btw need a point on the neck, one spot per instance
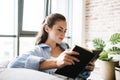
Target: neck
(52, 45)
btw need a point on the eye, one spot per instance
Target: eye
(60, 30)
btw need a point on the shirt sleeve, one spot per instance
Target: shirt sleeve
(84, 75)
(33, 62)
(37, 55)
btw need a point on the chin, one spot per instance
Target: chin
(59, 42)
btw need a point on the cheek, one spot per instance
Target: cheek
(56, 33)
(53, 34)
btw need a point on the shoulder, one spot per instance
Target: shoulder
(42, 46)
(38, 50)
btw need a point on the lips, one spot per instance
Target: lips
(61, 38)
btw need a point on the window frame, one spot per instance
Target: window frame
(19, 4)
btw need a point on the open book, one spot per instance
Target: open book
(85, 57)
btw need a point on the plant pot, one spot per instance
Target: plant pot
(107, 70)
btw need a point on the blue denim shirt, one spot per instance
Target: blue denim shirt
(33, 58)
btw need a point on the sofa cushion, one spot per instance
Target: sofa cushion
(25, 74)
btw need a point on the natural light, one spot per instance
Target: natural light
(7, 17)
(33, 14)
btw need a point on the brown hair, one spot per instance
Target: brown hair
(49, 21)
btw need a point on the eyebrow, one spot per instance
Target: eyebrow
(61, 27)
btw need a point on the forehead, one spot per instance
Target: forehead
(61, 24)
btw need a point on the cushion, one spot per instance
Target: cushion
(25, 74)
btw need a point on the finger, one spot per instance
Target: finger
(69, 60)
(75, 53)
(73, 58)
(90, 68)
(71, 52)
(91, 63)
(68, 63)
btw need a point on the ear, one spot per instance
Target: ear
(46, 28)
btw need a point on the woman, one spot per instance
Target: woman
(50, 52)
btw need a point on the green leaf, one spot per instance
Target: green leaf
(115, 38)
(104, 56)
(114, 49)
(98, 43)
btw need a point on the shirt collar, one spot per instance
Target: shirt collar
(62, 45)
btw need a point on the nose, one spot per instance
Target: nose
(63, 34)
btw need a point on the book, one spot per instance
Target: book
(85, 56)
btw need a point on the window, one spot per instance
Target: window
(7, 48)
(20, 21)
(26, 43)
(7, 29)
(7, 17)
(33, 14)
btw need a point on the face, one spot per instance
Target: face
(57, 32)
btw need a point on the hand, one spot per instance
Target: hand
(90, 66)
(65, 58)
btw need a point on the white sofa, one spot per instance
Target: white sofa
(23, 74)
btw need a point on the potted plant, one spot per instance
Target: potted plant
(98, 45)
(109, 56)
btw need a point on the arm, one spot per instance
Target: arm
(35, 61)
(62, 60)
